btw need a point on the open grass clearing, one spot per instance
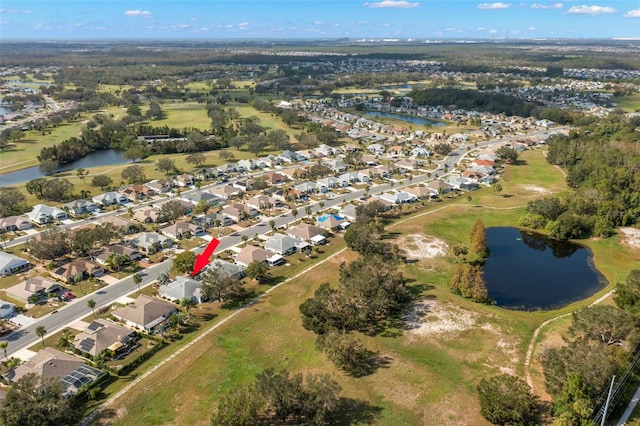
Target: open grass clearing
(630, 103)
(180, 114)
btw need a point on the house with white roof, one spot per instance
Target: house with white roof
(42, 214)
(11, 264)
(282, 244)
(110, 198)
(182, 288)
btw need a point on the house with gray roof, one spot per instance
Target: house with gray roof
(80, 207)
(103, 335)
(110, 198)
(42, 214)
(198, 196)
(249, 254)
(14, 223)
(182, 288)
(36, 288)
(149, 242)
(227, 268)
(12, 264)
(282, 244)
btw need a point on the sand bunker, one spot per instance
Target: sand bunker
(420, 246)
(535, 188)
(631, 236)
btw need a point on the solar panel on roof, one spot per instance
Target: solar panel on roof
(94, 326)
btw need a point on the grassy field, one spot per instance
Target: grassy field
(628, 103)
(270, 121)
(183, 114)
(427, 377)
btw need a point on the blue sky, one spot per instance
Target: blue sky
(215, 19)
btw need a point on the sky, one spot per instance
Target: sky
(316, 19)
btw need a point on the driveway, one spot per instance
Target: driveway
(22, 320)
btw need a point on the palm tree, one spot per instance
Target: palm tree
(3, 345)
(272, 224)
(82, 173)
(137, 279)
(187, 303)
(41, 332)
(163, 278)
(307, 210)
(294, 213)
(92, 304)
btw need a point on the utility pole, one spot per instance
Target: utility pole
(606, 405)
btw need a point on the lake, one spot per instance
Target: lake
(106, 157)
(415, 120)
(529, 271)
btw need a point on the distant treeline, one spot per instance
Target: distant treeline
(495, 103)
(603, 167)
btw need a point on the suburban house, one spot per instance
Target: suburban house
(327, 183)
(331, 221)
(151, 242)
(198, 196)
(249, 254)
(185, 179)
(307, 187)
(182, 288)
(145, 313)
(37, 286)
(325, 150)
(282, 244)
(147, 214)
(248, 164)
(119, 250)
(227, 268)
(160, 185)
(306, 232)
(261, 201)
(376, 149)
(354, 177)
(76, 270)
(178, 230)
(42, 214)
(226, 191)
(439, 187)
(348, 212)
(51, 363)
(127, 226)
(14, 223)
(7, 309)
(80, 207)
(275, 178)
(103, 335)
(110, 198)
(336, 164)
(11, 264)
(421, 192)
(210, 219)
(239, 211)
(398, 197)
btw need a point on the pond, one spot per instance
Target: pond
(415, 120)
(529, 271)
(105, 157)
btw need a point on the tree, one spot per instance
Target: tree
(497, 188)
(41, 332)
(134, 153)
(187, 303)
(507, 155)
(3, 345)
(82, 173)
(83, 240)
(137, 279)
(202, 207)
(30, 402)
(154, 111)
(307, 210)
(184, 262)
(57, 190)
(102, 181)
(12, 202)
(196, 159)
(220, 285)
(479, 239)
(364, 239)
(133, 174)
(257, 144)
(347, 353)
(115, 262)
(49, 167)
(258, 271)
(92, 304)
(50, 244)
(460, 250)
(171, 211)
(627, 295)
(242, 406)
(272, 224)
(507, 400)
(603, 323)
(278, 139)
(36, 187)
(294, 213)
(163, 278)
(165, 165)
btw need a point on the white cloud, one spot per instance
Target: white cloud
(546, 6)
(532, 28)
(590, 10)
(632, 14)
(493, 6)
(142, 13)
(492, 31)
(15, 11)
(243, 25)
(400, 4)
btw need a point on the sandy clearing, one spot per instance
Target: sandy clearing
(631, 236)
(420, 246)
(430, 317)
(535, 188)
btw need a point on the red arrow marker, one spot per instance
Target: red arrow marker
(202, 260)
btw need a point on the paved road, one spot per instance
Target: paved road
(78, 309)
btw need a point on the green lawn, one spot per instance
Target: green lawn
(628, 103)
(179, 114)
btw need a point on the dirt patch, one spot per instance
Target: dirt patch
(420, 246)
(535, 188)
(631, 237)
(429, 317)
